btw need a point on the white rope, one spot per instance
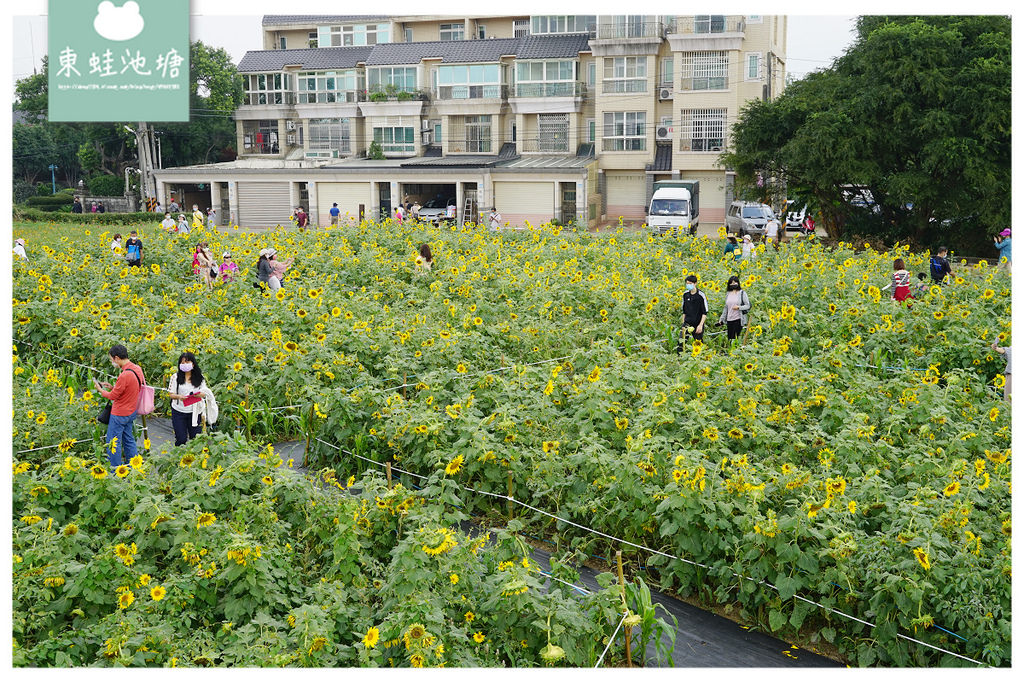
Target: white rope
(582, 590)
(87, 367)
(56, 445)
(666, 555)
(611, 640)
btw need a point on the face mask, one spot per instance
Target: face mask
(184, 367)
(689, 286)
(734, 286)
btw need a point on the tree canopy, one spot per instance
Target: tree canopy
(915, 116)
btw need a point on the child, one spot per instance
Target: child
(1002, 243)
(749, 252)
(228, 269)
(1005, 350)
(900, 281)
(425, 261)
(195, 259)
(921, 287)
(182, 224)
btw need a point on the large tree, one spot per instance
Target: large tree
(917, 112)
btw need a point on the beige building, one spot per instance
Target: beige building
(556, 116)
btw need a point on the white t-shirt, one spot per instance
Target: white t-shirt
(115, 245)
(168, 223)
(185, 389)
(495, 219)
(20, 251)
(771, 228)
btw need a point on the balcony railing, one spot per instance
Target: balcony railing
(470, 146)
(639, 29)
(551, 89)
(471, 92)
(613, 85)
(317, 97)
(555, 144)
(271, 98)
(712, 25)
(704, 83)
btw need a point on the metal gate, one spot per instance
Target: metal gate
(264, 205)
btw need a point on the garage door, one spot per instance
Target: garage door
(264, 205)
(348, 196)
(521, 202)
(627, 195)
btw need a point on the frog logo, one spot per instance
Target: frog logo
(118, 23)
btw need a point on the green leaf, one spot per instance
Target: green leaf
(776, 619)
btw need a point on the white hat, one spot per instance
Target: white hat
(227, 254)
(746, 238)
(20, 241)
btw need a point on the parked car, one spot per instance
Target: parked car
(438, 209)
(747, 218)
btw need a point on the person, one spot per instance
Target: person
(168, 223)
(159, 208)
(808, 225)
(771, 231)
(173, 206)
(425, 261)
(734, 312)
(416, 210)
(335, 212)
(900, 281)
(731, 246)
(749, 253)
(921, 287)
(198, 219)
(228, 268)
(211, 218)
(77, 206)
(206, 265)
(19, 248)
(494, 219)
(399, 214)
(115, 244)
(1006, 351)
(93, 210)
(278, 267)
(189, 398)
(264, 272)
(1002, 243)
(133, 250)
(100, 208)
(301, 219)
(695, 308)
(940, 266)
(124, 396)
(183, 228)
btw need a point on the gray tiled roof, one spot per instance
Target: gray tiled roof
(448, 51)
(283, 19)
(662, 157)
(309, 58)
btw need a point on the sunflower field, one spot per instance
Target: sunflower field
(851, 451)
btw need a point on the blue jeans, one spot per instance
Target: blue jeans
(121, 427)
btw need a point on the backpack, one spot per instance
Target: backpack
(936, 266)
(133, 252)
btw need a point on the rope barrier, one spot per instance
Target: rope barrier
(56, 445)
(663, 554)
(88, 367)
(611, 640)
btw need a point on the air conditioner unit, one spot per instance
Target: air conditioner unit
(424, 124)
(716, 149)
(290, 138)
(664, 133)
(665, 94)
(289, 125)
(428, 137)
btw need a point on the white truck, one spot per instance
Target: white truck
(675, 207)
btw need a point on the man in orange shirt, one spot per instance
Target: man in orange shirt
(125, 397)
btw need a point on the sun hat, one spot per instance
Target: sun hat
(746, 238)
(227, 254)
(271, 252)
(20, 241)
(1005, 233)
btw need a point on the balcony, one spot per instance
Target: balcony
(471, 146)
(719, 32)
(709, 25)
(623, 38)
(624, 85)
(471, 92)
(636, 29)
(331, 97)
(558, 144)
(551, 89)
(549, 96)
(272, 98)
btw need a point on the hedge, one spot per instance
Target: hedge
(51, 201)
(22, 213)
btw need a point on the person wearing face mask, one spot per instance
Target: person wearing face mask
(191, 399)
(734, 313)
(695, 308)
(124, 396)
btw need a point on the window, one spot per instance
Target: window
(553, 132)
(591, 130)
(702, 130)
(330, 134)
(520, 28)
(284, 43)
(402, 77)
(624, 131)
(329, 86)
(754, 18)
(260, 137)
(753, 66)
(481, 31)
(666, 72)
(705, 71)
(354, 34)
(628, 26)
(453, 31)
(395, 139)
(625, 74)
(268, 89)
(592, 74)
(465, 81)
(585, 23)
(408, 35)
(546, 79)
(709, 23)
(478, 133)
(313, 39)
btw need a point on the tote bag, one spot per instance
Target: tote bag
(146, 397)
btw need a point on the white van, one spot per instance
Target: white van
(671, 211)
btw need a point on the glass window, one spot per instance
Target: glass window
(461, 81)
(260, 137)
(753, 65)
(402, 77)
(284, 43)
(453, 31)
(268, 89)
(705, 71)
(709, 23)
(314, 39)
(329, 135)
(395, 138)
(478, 133)
(624, 131)
(329, 86)
(546, 79)
(666, 71)
(625, 74)
(583, 23)
(702, 130)
(591, 130)
(408, 35)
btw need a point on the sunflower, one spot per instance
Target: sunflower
(993, 414)
(711, 434)
(479, 637)
(301, 312)
(595, 374)
(987, 294)
(469, 617)
(749, 367)
(922, 557)
(205, 519)
(98, 472)
(937, 315)
(125, 599)
(454, 466)
(371, 638)
(290, 346)
(549, 446)
(454, 578)
(460, 368)
(735, 433)
(157, 593)
(267, 480)
(336, 312)
(416, 661)
(951, 489)
(122, 471)
(70, 529)
(41, 419)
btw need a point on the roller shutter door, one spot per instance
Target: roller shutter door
(627, 194)
(348, 196)
(524, 198)
(264, 205)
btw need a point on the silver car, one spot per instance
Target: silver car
(747, 218)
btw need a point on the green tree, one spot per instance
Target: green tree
(917, 112)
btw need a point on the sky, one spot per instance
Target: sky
(813, 41)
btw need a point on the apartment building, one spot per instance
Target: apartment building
(555, 116)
